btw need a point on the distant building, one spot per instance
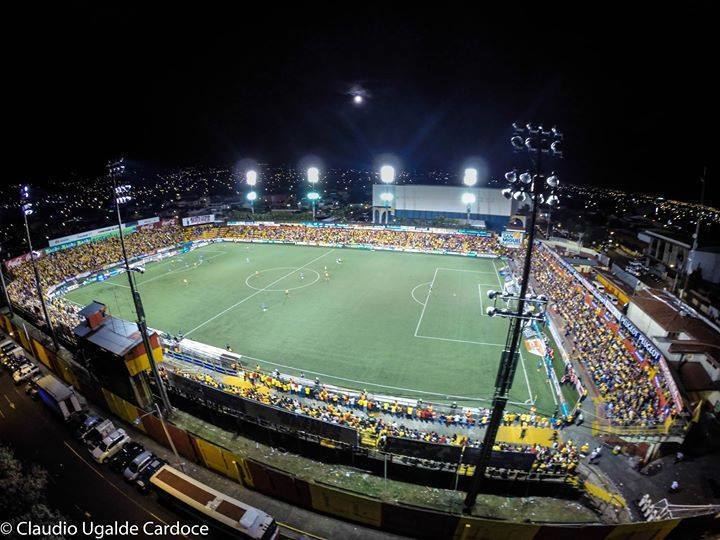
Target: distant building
(432, 202)
(672, 251)
(690, 342)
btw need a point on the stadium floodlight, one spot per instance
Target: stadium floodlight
(313, 175)
(492, 294)
(121, 195)
(538, 143)
(251, 177)
(387, 174)
(470, 177)
(358, 99)
(27, 209)
(552, 180)
(552, 200)
(252, 196)
(386, 197)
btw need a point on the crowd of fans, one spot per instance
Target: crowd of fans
(355, 236)
(634, 392)
(361, 412)
(55, 268)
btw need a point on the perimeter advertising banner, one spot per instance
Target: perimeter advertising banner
(198, 220)
(512, 239)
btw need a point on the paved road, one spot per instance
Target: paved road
(79, 487)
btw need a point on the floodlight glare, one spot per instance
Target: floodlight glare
(358, 99)
(386, 196)
(251, 196)
(471, 177)
(313, 175)
(468, 198)
(251, 178)
(313, 196)
(387, 174)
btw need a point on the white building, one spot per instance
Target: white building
(431, 202)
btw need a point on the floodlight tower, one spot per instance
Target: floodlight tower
(468, 198)
(313, 176)
(27, 209)
(4, 285)
(538, 189)
(387, 177)
(251, 180)
(121, 195)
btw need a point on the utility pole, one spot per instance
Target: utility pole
(121, 195)
(4, 286)
(27, 209)
(696, 236)
(538, 143)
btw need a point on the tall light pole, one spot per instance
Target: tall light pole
(696, 236)
(121, 195)
(313, 176)
(251, 180)
(387, 177)
(4, 285)
(27, 209)
(470, 178)
(538, 189)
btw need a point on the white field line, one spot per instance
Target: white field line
(482, 311)
(368, 383)
(412, 293)
(462, 341)
(500, 283)
(465, 270)
(527, 380)
(427, 301)
(236, 304)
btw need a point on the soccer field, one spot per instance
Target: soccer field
(401, 323)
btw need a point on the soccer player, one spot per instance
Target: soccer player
(327, 275)
(185, 281)
(287, 293)
(302, 276)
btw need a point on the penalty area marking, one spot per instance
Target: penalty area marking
(294, 269)
(412, 293)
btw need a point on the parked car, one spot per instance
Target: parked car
(84, 427)
(24, 373)
(96, 434)
(127, 453)
(136, 466)
(110, 445)
(142, 482)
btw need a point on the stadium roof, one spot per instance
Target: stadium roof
(662, 308)
(114, 335)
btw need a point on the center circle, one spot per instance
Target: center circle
(289, 271)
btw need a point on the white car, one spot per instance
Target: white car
(110, 445)
(25, 372)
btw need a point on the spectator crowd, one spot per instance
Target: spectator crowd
(634, 392)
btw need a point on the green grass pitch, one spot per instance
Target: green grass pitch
(374, 324)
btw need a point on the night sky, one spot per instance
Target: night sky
(629, 87)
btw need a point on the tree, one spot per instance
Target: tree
(23, 492)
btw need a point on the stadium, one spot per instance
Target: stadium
(370, 346)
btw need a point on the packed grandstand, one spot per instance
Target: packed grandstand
(633, 388)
